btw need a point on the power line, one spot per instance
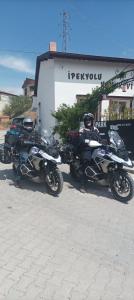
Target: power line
(20, 51)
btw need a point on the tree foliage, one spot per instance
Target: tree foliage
(68, 117)
(17, 106)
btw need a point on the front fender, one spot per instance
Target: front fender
(48, 166)
(116, 173)
(121, 161)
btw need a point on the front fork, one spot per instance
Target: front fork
(48, 166)
(115, 173)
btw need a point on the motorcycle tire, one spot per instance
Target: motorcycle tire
(54, 182)
(7, 157)
(122, 186)
(14, 168)
(73, 172)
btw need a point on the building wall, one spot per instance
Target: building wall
(79, 77)
(104, 106)
(34, 102)
(60, 80)
(4, 99)
(45, 99)
(27, 91)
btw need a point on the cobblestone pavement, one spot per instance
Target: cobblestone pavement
(73, 247)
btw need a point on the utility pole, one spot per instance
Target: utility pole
(65, 30)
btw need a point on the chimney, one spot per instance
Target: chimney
(52, 46)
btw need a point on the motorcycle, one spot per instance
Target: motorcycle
(106, 166)
(39, 164)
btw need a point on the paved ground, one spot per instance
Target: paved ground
(73, 247)
(76, 246)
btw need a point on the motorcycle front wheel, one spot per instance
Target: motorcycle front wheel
(122, 186)
(54, 182)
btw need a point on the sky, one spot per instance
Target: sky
(95, 27)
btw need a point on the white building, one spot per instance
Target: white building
(5, 98)
(28, 87)
(66, 77)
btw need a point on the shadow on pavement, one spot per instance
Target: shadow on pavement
(91, 188)
(8, 174)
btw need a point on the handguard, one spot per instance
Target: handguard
(94, 144)
(87, 141)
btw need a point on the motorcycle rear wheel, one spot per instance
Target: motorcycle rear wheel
(54, 182)
(122, 186)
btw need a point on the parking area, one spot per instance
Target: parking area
(75, 246)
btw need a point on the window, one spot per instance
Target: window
(81, 98)
(114, 106)
(122, 106)
(118, 106)
(31, 88)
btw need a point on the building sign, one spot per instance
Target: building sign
(84, 76)
(100, 78)
(124, 87)
(101, 124)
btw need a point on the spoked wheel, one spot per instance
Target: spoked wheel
(54, 181)
(122, 187)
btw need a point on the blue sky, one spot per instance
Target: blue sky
(97, 27)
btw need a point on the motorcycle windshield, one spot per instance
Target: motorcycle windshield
(115, 139)
(118, 145)
(51, 145)
(48, 138)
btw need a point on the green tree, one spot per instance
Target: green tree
(17, 106)
(68, 117)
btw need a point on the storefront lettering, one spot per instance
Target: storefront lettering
(101, 124)
(85, 76)
(116, 126)
(128, 86)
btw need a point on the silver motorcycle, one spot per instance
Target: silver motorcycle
(108, 166)
(40, 165)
